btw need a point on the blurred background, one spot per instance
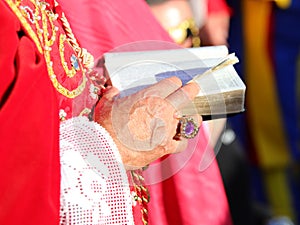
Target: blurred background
(259, 155)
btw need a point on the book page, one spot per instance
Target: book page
(132, 71)
(136, 76)
(222, 90)
(222, 80)
(116, 60)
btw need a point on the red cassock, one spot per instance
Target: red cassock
(33, 93)
(190, 196)
(29, 140)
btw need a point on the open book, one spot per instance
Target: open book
(222, 91)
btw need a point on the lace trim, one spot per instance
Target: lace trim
(94, 186)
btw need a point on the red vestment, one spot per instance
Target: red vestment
(39, 78)
(29, 124)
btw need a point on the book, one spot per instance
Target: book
(222, 91)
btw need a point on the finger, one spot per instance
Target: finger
(163, 88)
(178, 145)
(110, 92)
(183, 96)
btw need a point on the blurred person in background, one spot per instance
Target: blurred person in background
(266, 38)
(177, 17)
(212, 17)
(207, 23)
(197, 23)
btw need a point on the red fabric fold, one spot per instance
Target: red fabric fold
(30, 171)
(101, 26)
(194, 194)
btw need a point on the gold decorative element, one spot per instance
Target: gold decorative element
(39, 23)
(22, 18)
(142, 194)
(86, 58)
(284, 4)
(70, 72)
(185, 29)
(64, 91)
(86, 111)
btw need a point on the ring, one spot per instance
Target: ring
(186, 128)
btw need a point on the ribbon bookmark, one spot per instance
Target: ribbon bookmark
(231, 59)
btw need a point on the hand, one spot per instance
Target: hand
(143, 125)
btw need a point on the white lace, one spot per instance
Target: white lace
(94, 185)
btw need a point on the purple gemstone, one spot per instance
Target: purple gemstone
(189, 128)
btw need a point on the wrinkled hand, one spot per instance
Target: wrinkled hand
(143, 125)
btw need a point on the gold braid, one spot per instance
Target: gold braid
(85, 57)
(142, 193)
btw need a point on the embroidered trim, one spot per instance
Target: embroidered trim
(86, 111)
(24, 22)
(44, 44)
(70, 72)
(141, 193)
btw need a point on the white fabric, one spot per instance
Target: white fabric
(94, 185)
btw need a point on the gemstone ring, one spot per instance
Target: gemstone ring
(186, 128)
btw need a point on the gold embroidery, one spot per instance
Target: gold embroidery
(141, 193)
(70, 72)
(65, 92)
(36, 22)
(86, 58)
(19, 14)
(86, 111)
(185, 29)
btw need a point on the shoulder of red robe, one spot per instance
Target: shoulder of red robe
(30, 171)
